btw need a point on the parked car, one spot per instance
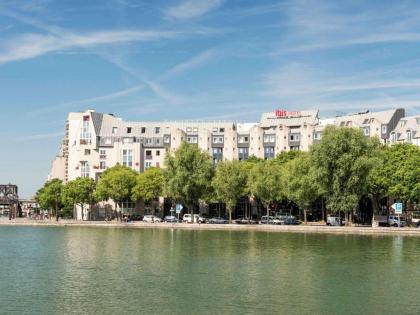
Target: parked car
(151, 219)
(396, 221)
(170, 219)
(245, 221)
(136, 217)
(197, 218)
(334, 221)
(270, 220)
(218, 220)
(291, 220)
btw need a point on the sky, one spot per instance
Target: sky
(149, 60)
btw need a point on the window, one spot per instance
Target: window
(102, 154)
(342, 123)
(84, 169)
(192, 139)
(269, 138)
(409, 136)
(147, 165)
(222, 129)
(128, 129)
(149, 154)
(366, 131)
(157, 153)
(108, 141)
(217, 155)
(243, 139)
(217, 139)
(268, 153)
(102, 165)
(149, 141)
(127, 140)
(195, 129)
(85, 135)
(157, 130)
(215, 129)
(317, 136)
(393, 137)
(294, 137)
(243, 153)
(189, 129)
(114, 130)
(143, 129)
(366, 121)
(87, 152)
(128, 158)
(384, 129)
(167, 139)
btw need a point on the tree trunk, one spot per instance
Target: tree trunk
(324, 217)
(268, 211)
(230, 215)
(304, 216)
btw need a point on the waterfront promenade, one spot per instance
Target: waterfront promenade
(310, 228)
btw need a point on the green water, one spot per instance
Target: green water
(121, 271)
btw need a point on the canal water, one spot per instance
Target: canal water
(76, 270)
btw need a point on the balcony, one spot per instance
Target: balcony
(148, 157)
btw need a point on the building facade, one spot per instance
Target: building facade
(95, 141)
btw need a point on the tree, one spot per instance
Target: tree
(50, 196)
(343, 160)
(286, 156)
(149, 185)
(116, 183)
(188, 174)
(229, 183)
(80, 191)
(265, 182)
(300, 182)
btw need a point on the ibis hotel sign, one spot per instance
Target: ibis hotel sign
(281, 113)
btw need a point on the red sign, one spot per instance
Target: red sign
(284, 113)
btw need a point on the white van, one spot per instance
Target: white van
(197, 218)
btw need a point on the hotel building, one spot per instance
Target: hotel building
(95, 141)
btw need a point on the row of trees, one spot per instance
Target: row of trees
(340, 170)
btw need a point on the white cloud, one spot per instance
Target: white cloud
(34, 45)
(192, 8)
(190, 64)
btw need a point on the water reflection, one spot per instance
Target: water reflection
(127, 271)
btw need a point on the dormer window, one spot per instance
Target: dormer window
(409, 136)
(129, 129)
(393, 137)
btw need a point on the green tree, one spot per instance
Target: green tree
(265, 182)
(50, 196)
(300, 182)
(286, 156)
(116, 183)
(80, 191)
(229, 183)
(188, 174)
(149, 185)
(343, 160)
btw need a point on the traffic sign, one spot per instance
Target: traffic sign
(398, 207)
(178, 208)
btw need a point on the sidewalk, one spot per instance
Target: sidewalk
(365, 230)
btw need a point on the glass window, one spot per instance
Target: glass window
(114, 130)
(268, 153)
(84, 169)
(128, 129)
(128, 158)
(217, 155)
(102, 165)
(384, 128)
(157, 130)
(143, 129)
(148, 164)
(409, 136)
(243, 153)
(167, 139)
(85, 132)
(393, 137)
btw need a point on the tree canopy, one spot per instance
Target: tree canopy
(116, 183)
(229, 183)
(188, 174)
(149, 185)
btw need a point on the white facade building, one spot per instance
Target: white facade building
(94, 141)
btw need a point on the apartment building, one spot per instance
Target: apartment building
(95, 141)
(406, 131)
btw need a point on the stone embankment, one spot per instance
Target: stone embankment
(313, 228)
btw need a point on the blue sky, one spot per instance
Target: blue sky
(193, 59)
